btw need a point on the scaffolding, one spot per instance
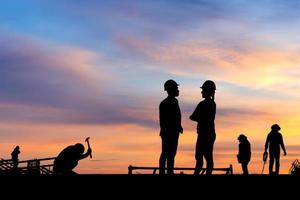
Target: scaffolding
(33, 166)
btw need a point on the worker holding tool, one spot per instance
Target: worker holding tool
(68, 158)
(265, 158)
(274, 142)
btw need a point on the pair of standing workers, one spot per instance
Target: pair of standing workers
(170, 127)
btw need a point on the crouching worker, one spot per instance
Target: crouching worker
(244, 153)
(68, 159)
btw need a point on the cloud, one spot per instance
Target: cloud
(46, 83)
(235, 62)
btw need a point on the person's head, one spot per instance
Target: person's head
(208, 89)
(172, 88)
(79, 148)
(242, 138)
(275, 127)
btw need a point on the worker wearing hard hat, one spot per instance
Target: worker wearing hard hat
(204, 115)
(170, 127)
(274, 142)
(244, 154)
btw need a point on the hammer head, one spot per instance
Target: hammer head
(87, 139)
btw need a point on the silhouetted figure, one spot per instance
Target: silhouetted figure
(244, 155)
(170, 127)
(204, 114)
(15, 156)
(274, 141)
(68, 159)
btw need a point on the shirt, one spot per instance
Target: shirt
(169, 116)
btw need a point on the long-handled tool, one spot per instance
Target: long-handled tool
(265, 158)
(88, 143)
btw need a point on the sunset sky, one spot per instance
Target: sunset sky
(70, 69)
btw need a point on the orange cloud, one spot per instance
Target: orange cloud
(242, 63)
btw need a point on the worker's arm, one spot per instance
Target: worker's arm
(196, 113)
(282, 145)
(162, 117)
(88, 152)
(267, 143)
(179, 118)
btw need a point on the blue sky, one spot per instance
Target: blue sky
(102, 64)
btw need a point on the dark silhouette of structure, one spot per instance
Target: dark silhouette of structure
(68, 159)
(15, 156)
(29, 167)
(244, 154)
(204, 115)
(295, 168)
(170, 127)
(274, 142)
(227, 170)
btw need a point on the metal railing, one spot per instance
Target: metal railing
(32, 166)
(228, 171)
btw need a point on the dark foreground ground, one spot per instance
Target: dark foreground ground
(152, 186)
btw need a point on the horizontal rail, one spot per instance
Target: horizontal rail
(42, 159)
(228, 170)
(25, 161)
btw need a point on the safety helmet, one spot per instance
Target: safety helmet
(209, 85)
(242, 137)
(170, 84)
(275, 127)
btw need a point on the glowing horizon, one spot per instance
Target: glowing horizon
(72, 69)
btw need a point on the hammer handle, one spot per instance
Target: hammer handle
(89, 148)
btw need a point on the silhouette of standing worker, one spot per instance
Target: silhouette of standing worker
(274, 141)
(204, 114)
(170, 127)
(15, 156)
(244, 155)
(68, 159)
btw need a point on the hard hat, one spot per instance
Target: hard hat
(170, 84)
(209, 85)
(242, 136)
(275, 127)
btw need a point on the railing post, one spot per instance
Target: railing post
(130, 169)
(154, 171)
(231, 169)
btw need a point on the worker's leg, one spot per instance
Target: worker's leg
(245, 168)
(209, 156)
(163, 155)
(277, 163)
(172, 153)
(271, 164)
(209, 161)
(199, 156)
(16, 163)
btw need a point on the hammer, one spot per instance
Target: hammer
(88, 143)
